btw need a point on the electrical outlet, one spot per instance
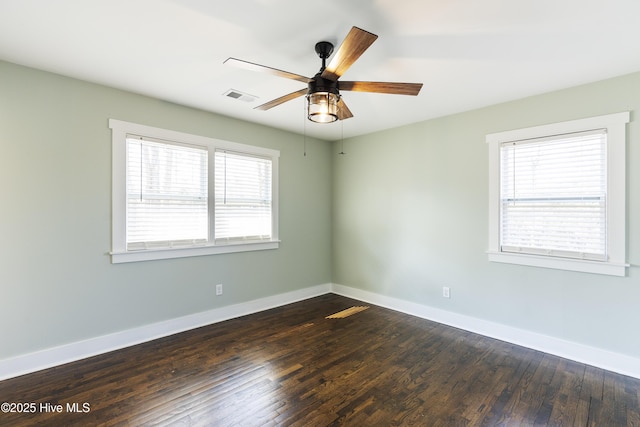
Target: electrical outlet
(218, 289)
(446, 292)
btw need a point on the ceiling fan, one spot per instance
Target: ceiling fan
(324, 103)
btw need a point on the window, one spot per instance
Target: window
(178, 195)
(557, 195)
(243, 197)
(553, 196)
(166, 194)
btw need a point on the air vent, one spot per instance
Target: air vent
(241, 96)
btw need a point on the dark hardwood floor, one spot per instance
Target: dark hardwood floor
(291, 366)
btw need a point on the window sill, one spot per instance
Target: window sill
(157, 254)
(596, 267)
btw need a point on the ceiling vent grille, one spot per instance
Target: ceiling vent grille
(240, 96)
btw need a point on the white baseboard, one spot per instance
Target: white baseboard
(55, 356)
(615, 362)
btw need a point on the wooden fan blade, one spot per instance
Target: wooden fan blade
(382, 87)
(264, 69)
(282, 100)
(354, 45)
(343, 110)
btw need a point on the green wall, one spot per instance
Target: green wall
(402, 214)
(57, 283)
(410, 215)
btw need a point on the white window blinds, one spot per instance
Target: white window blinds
(166, 194)
(553, 195)
(243, 201)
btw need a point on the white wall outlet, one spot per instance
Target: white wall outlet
(446, 292)
(218, 289)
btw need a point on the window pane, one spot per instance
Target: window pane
(243, 197)
(553, 195)
(166, 194)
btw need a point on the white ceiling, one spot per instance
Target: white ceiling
(468, 53)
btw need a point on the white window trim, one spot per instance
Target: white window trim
(616, 194)
(119, 253)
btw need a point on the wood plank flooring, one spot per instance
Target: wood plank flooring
(292, 366)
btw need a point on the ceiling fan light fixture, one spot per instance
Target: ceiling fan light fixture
(322, 107)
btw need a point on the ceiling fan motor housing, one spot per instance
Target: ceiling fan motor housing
(320, 84)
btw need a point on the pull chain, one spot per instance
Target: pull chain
(342, 138)
(304, 128)
(141, 170)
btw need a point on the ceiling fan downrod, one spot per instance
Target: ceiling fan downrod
(319, 84)
(324, 50)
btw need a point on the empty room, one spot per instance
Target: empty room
(295, 213)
